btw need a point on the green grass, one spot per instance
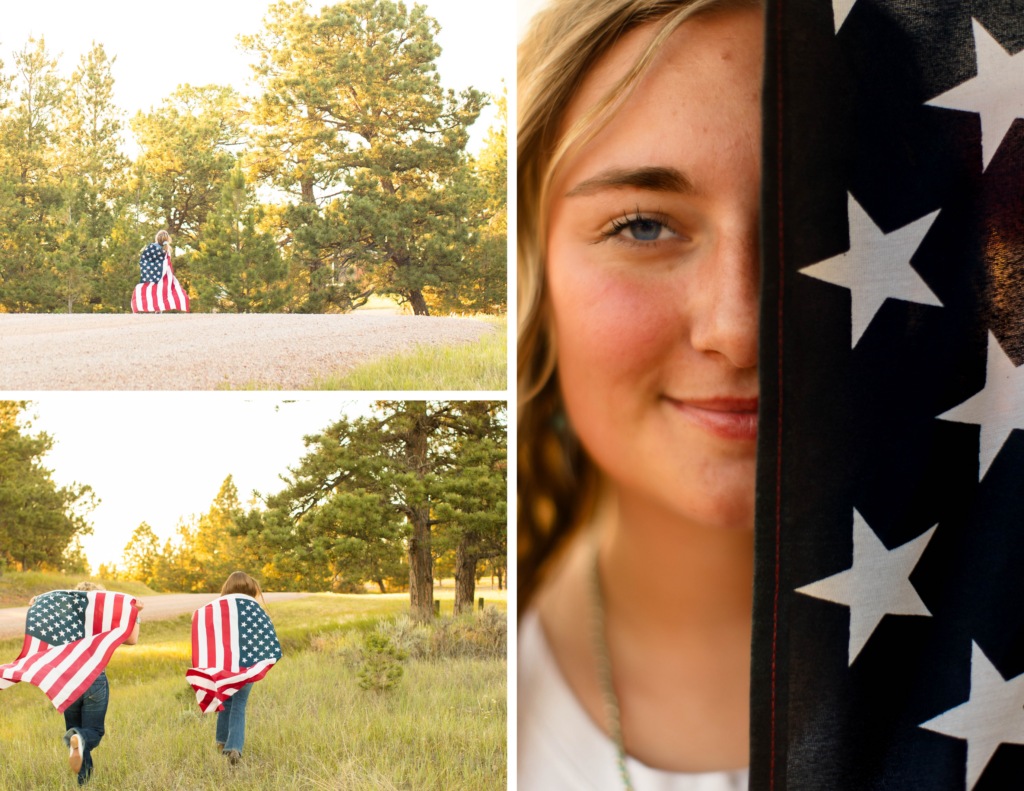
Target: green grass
(482, 365)
(17, 587)
(309, 726)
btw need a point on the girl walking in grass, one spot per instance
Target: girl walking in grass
(233, 646)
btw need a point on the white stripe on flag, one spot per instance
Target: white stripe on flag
(108, 612)
(200, 627)
(218, 637)
(233, 616)
(90, 613)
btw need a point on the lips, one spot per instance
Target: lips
(729, 418)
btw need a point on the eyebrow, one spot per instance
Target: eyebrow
(656, 179)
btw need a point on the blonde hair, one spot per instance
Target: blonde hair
(557, 481)
(164, 238)
(240, 582)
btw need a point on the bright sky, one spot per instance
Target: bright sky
(161, 46)
(158, 457)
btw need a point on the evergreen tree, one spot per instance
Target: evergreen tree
(352, 105)
(471, 512)
(140, 555)
(38, 519)
(93, 177)
(371, 482)
(28, 141)
(188, 154)
(238, 266)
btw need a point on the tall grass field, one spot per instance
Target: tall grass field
(309, 724)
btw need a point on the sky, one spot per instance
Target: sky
(161, 46)
(160, 457)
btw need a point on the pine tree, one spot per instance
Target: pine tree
(140, 554)
(93, 177)
(471, 512)
(28, 140)
(363, 479)
(187, 154)
(352, 106)
(238, 266)
(38, 519)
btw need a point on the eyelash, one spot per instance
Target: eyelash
(621, 224)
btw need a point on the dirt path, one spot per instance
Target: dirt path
(169, 605)
(202, 351)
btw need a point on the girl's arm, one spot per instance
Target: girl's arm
(133, 638)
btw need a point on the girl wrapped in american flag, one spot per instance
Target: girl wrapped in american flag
(69, 639)
(158, 289)
(234, 645)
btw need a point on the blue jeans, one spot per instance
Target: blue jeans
(231, 721)
(86, 717)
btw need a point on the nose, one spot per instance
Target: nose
(724, 321)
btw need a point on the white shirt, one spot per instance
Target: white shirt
(560, 747)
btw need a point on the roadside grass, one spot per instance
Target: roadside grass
(482, 365)
(309, 725)
(17, 587)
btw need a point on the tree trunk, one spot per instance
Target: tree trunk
(380, 584)
(421, 568)
(465, 573)
(307, 191)
(419, 304)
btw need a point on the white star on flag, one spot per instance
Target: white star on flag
(998, 408)
(996, 93)
(993, 715)
(840, 10)
(876, 267)
(876, 585)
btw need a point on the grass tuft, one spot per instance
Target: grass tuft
(482, 365)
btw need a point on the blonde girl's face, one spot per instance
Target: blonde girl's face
(653, 271)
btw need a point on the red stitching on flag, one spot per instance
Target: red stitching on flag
(778, 456)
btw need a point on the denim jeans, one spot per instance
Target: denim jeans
(86, 717)
(231, 721)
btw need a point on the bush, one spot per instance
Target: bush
(382, 668)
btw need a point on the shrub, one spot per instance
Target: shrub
(382, 668)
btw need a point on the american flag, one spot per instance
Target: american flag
(889, 593)
(159, 289)
(69, 638)
(233, 644)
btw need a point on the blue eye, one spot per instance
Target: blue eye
(641, 229)
(644, 230)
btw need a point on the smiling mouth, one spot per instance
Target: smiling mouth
(729, 418)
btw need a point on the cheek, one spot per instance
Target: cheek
(610, 324)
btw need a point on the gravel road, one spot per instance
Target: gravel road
(201, 351)
(156, 608)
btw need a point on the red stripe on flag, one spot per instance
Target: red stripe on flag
(97, 616)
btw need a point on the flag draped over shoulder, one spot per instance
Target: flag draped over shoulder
(889, 593)
(160, 289)
(69, 639)
(233, 644)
